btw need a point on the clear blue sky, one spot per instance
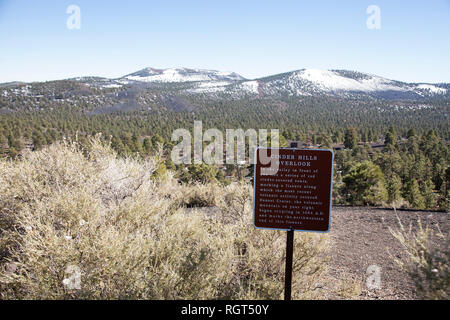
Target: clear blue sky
(251, 37)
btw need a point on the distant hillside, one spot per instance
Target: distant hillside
(219, 85)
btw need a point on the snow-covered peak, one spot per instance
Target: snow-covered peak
(431, 88)
(328, 80)
(181, 75)
(304, 82)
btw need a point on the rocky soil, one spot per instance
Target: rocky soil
(360, 237)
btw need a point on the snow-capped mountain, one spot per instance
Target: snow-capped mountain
(179, 75)
(156, 85)
(341, 83)
(304, 82)
(338, 81)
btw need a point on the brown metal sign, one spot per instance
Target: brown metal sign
(292, 189)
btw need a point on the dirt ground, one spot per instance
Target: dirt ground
(360, 237)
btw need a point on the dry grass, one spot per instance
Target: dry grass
(427, 265)
(64, 210)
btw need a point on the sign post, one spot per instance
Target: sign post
(288, 269)
(292, 192)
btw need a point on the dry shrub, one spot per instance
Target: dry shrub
(68, 214)
(428, 265)
(196, 195)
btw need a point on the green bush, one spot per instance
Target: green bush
(365, 184)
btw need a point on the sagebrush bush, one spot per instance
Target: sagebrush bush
(68, 214)
(427, 265)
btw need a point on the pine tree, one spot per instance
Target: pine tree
(38, 140)
(365, 184)
(413, 196)
(118, 146)
(394, 188)
(136, 144)
(127, 142)
(391, 137)
(202, 173)
(3, 144)
(350, 138)
(326, 141)
(427, 191)
(147, 146)
(12, 153)
(365, 136)
(411, 133)
(157, 140)
(444, 192)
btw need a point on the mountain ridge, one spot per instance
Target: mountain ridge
(301, 82)
(214, 84)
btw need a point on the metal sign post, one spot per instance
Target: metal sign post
(296, 196)
(288, 270)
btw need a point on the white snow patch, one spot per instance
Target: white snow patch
(112, 85)
(184, 75)
(251, 86)
(211, 86)
(431, 88)
(122, 81)
(331, 81)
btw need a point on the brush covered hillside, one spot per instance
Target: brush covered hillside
(132, 234)
(82, 223)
